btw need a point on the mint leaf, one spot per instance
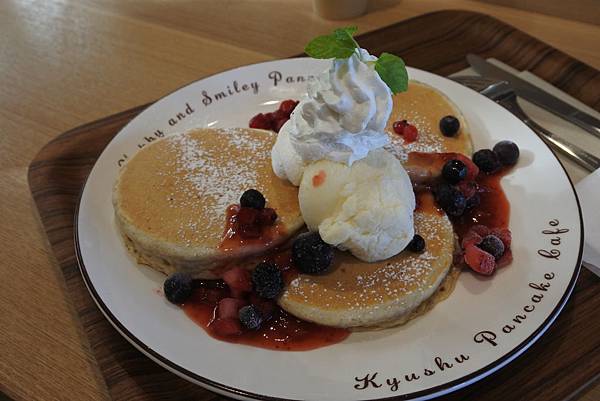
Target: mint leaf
(393, 72)
(340, 44)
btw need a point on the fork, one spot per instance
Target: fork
(502, 93)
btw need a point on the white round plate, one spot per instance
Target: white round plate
(482, 326)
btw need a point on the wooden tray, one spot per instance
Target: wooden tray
(562, 363)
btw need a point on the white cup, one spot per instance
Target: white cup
(340, 9)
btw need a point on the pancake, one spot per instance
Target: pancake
(360, 295)
(424, 106)
(356, 294)
(170, 199)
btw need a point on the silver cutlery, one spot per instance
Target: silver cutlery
(502, 93)
(536, 95)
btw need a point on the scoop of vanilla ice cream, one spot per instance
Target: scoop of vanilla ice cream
(366, 208)
(341, 118)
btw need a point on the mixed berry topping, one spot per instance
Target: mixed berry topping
(507, 152)
(310, 254)
(253, 199)
(486, 249)
(178, 287)
(409, 132)
(253, 216)
(417, 244)
(274, 121)
(267, 280)
(449, 125)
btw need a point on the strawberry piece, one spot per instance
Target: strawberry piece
(399, 126)
(472, 169)
(471, 238)
(226, 327)
(505, 259)
(481, 230)
(287, 106)
(260, 121)
(229, 308)
(238, 279)
(267, 216)
(410, 133)
(504, 234)
(479, 260)
(247, 223)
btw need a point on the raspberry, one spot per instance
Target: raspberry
(238, 279)
(504, 234)
(410, 133)
(260, 121)
(399, 126)
(287, 106)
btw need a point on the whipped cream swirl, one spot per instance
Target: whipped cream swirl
(341, 118)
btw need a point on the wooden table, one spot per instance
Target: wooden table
(67, 62)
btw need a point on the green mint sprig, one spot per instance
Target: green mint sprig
(341, 44)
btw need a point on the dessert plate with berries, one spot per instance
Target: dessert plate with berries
(513, 210)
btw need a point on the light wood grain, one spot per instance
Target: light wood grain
(66, 62)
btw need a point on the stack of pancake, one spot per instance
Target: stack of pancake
(170, 201)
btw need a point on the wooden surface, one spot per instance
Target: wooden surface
(67, 62)
(580, 10)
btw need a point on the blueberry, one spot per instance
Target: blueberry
(253, 199)
(454, 171)
(449, 125)
(507, 152)
(311, 254)
(417, 244)
(250, 317)
(450, 199)
(267, 280)
(487, 161)
(178, 287)
(492, 245)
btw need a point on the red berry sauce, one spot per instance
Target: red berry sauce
(246, 226)
(281, 331)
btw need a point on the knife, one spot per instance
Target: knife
(536, 95)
